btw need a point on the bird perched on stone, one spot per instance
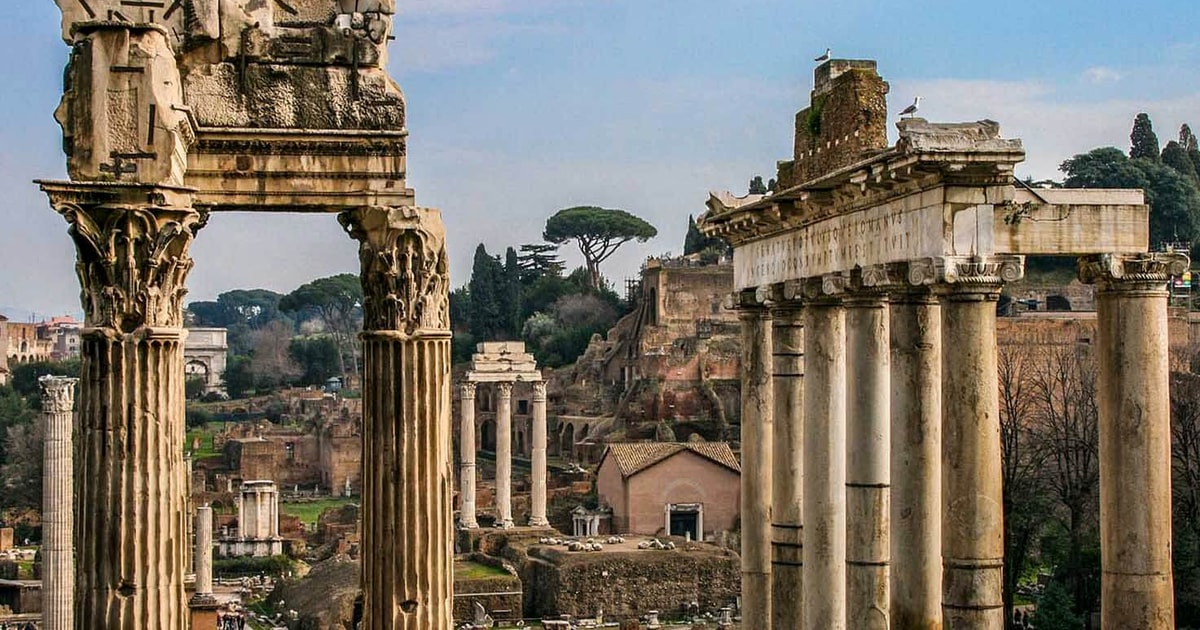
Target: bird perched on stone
(826, 57)
(911, 110)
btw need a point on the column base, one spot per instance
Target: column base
(539, 522)
(470, 525)
(507, 524)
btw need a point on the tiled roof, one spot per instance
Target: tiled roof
(636, 457)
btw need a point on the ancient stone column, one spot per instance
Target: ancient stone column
(1135, 437)
(58, 501)
(204, 551)
(132, 242)
(787, 548)
(407, 511)
(868, 445)
(203, 605)
(916, 468)
(757, 433)
(537, 516)
(825, 458)
(504, 454)
(466, 453)
(972, 500)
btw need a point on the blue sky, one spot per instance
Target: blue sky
(520, 107)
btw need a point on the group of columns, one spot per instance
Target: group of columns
(468, 446)
(871, 452)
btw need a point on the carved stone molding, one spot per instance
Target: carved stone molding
(966, 271)
(467, 391)
(58, 394)
(1134, 271)
(539, 391)
(132, 251)
(405, 269)
(504, 389)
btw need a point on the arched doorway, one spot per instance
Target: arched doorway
(487, 436)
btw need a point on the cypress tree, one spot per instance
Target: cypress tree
(757, 187)
(1176, 157)
(484, 288)
(511, 297)
(1188, 139)
(1145, 143)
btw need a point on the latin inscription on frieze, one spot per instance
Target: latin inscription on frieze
(891, 233)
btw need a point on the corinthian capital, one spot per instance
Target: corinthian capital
(1132, 270)
(132, 245)
(405, 270)
(539, 391)
(504, 389)
(58, 394)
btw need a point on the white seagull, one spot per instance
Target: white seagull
(911, 110)
(826, 57)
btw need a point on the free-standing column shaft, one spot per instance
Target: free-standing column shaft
(1135, 438)
(867, 454)
(787, 553)
(204, 551)
(537, 516)
(131, 529)
(757, 430)
(824, 466)
(972, 509)
(466, 454)
(504, 454)
(58, 501)
(407, 526)
(916, 502)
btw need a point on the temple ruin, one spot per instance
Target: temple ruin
(885, 262)
(500, 365)
(174, 112)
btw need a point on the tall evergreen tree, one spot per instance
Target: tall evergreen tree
(696, 242)
(1144, 142)
(539, 260)
(757, 187)
(1176, 157)
(487, 278)
(510, 298)
(1188, 139)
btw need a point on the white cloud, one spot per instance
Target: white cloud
(1100, 75)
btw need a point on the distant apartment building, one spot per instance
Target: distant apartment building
(56, 339)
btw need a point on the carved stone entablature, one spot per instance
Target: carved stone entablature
(132, 246)
(58, 394)
(1134, 271)
(405, 269)
(966, 271)
(920, 135)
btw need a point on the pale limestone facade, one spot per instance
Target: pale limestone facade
(500, 365)
(258, 522)
(885, 265)
(171, 113)
(205, 355)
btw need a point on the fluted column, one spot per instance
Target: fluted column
(757, 432)
(407, 512)
(1135, 437)
(58, 501)
(825, 457)
(868, 445)
(916, 468)
(504, 454)
(537, 516)
(972, 499)
(466, 454)
(131, 528)
(787, 542)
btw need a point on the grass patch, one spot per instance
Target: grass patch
(206, 442)
(467, 570)
(308, 511)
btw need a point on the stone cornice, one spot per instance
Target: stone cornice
(927, 155)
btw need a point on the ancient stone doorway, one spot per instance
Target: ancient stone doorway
(487, 436)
